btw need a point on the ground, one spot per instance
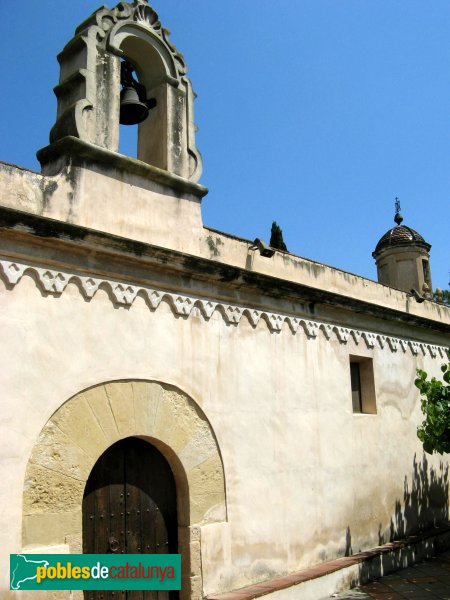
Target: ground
(427, 580)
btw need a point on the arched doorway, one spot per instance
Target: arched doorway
(85, 426)
(130, 507)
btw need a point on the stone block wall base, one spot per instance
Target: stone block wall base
(344, 573)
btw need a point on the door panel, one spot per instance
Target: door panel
(129, 507)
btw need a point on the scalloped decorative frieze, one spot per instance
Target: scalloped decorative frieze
(369, 338)
(327, 330)
(414, 347)
(55, 282)
(311, 328)
(403, 345)
(342, 333)
(356, 335)
(393, 344)
(253, 316)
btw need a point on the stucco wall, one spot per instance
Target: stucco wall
(305, 477)
(112, 294)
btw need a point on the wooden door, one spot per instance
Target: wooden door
(129, 507)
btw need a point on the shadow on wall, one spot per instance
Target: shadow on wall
(424, 506)
(348, 542)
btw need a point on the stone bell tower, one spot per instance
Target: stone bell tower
(88, 91)
(402, 258)
(154, 198)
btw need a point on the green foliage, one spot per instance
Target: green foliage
(445, 297)
(434, 433)
(276, 238)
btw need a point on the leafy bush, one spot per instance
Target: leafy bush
(434, 433)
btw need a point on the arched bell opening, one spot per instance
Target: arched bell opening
(134, 108)
(161, 134)
(130, 507)
(128, 140)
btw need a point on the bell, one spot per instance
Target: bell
(132, 110)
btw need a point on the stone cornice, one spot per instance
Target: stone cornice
(79, 152)
(117, 257)
(55, 281)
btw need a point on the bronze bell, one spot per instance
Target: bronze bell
(134, 106)
(132, 110)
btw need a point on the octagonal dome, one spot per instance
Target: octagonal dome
(401, 235)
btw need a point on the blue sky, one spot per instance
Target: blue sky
(313, 113)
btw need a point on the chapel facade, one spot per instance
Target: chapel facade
(256, 407)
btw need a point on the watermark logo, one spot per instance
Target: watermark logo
(95, 572)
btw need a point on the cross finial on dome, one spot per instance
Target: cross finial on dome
(398, 217)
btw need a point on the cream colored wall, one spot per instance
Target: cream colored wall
(303, 479)
(119, 203)
(299, 467)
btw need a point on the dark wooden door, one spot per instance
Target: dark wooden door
(129, 507)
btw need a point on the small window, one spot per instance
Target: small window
(426, 271)
(362, 385)
(355, 377)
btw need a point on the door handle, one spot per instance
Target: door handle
(113, 544)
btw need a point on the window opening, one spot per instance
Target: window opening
(362, 385)
(356, 387)
(134, 109)
(426, 271)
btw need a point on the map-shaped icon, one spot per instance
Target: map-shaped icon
(24, 570)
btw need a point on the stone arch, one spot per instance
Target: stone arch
(89, 87)
(90, 422)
